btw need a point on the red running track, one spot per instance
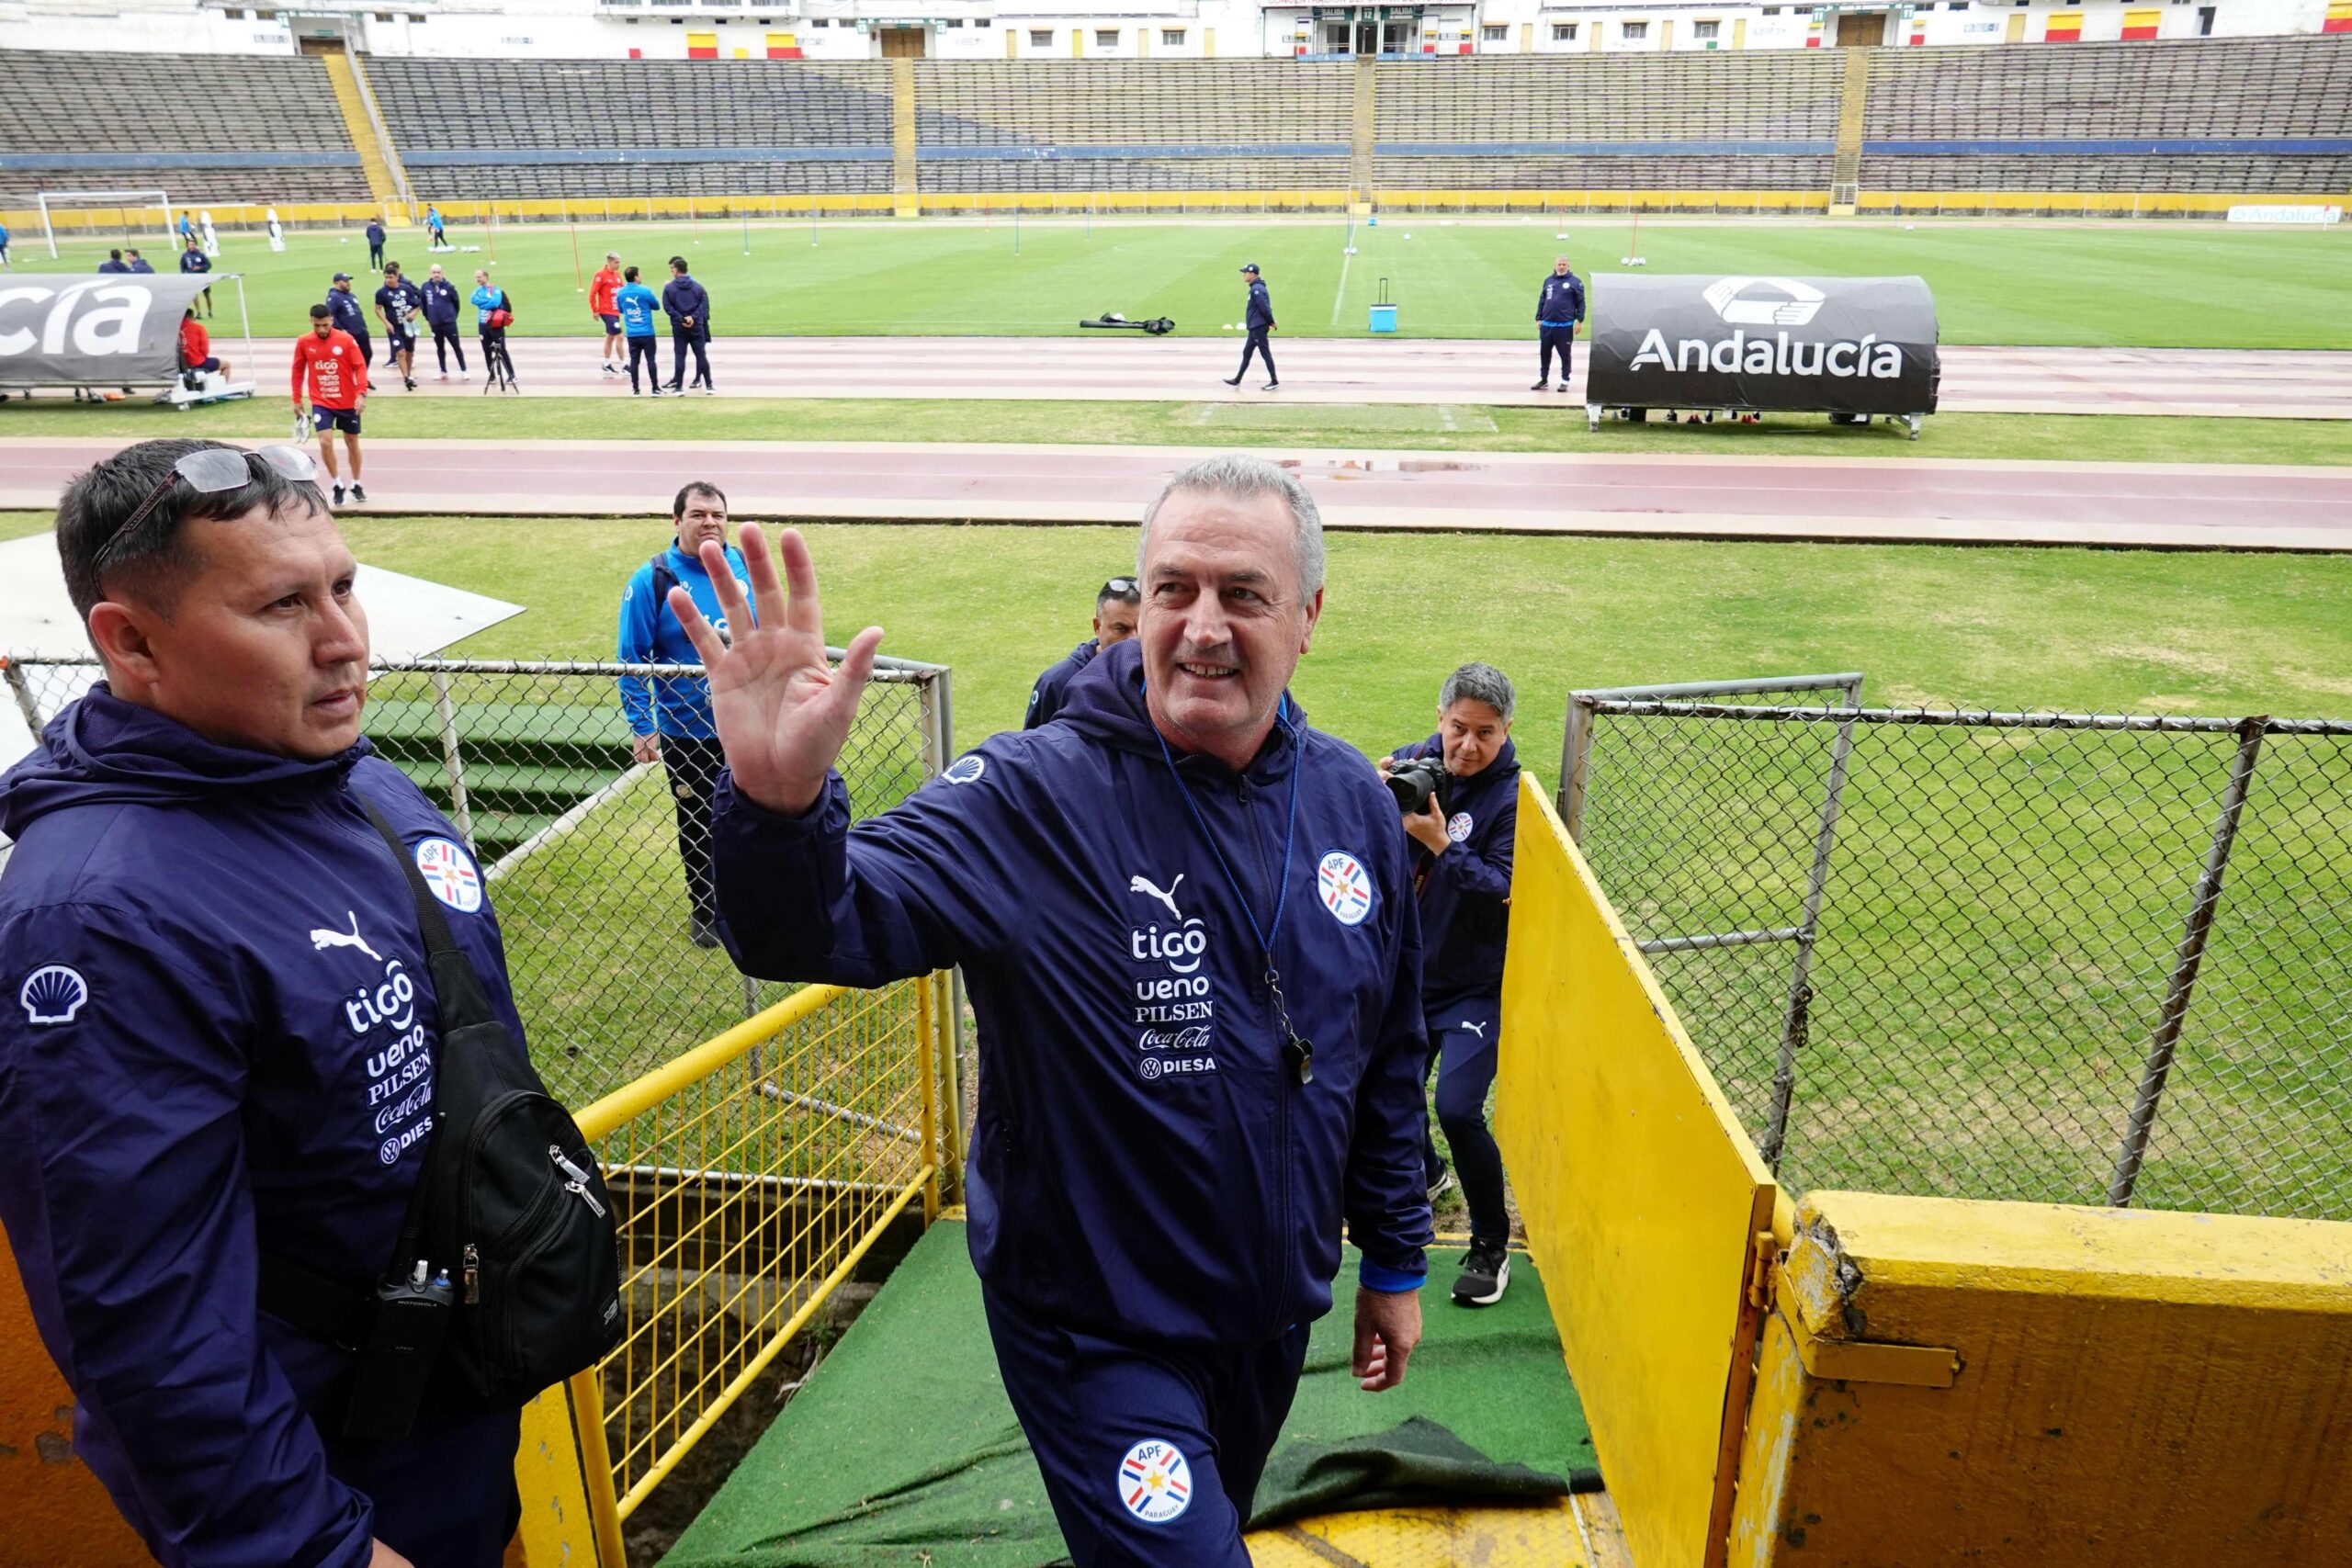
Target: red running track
(2162, 505)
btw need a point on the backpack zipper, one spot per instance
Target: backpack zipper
(579, 1182)
(474, 1275)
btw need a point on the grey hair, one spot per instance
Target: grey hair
(1482, 682)
(1242, 478)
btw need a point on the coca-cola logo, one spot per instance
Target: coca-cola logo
(1195, 1038)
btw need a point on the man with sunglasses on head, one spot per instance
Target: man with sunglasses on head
(1116, 609)
(335, 367)
(219, 1045)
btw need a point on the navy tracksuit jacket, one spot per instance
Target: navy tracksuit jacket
(1559, 308)
(218, 1041)
(1465, 892)
(1143, 1163)
(352, 317)
(1045, 697)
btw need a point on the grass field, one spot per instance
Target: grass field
(2169, 285)
(1452, 428)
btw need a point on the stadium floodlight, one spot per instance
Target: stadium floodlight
(124, 201)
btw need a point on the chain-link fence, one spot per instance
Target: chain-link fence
(580, 841)
(2042, 956)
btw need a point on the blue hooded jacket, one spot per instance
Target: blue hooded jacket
(649, 634)
(1145, 1164)
(1046, 697)
(1560, 302)
(217, 1041)
(1465, 892)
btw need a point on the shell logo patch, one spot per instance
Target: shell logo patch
(1155, 1483)
(449, 872)
(53, 994)
(1346, 888)
(966, 769)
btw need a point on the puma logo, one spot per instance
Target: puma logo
(1143, 885)
(1477, 1029)
(321, 940)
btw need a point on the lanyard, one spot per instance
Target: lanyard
(1299, 1053)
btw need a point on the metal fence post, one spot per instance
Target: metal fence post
(2202, 905)
(23, 692)
(453, 765)
(1796, 1018)
(1575, 753)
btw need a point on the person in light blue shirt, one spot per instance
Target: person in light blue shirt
(3, 244)
(669, 716)
(639, 306)
(489, 299)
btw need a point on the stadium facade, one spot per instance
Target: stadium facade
(1120, 29)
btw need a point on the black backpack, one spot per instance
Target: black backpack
(506, 1279)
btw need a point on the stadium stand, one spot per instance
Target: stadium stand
(495, 130)
(1762, 120)
(2253, 115)
(204, 127)
(1131, 125)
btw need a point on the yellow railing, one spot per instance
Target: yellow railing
(750, 1176)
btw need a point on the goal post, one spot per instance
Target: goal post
(129, 206)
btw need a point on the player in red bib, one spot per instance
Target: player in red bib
(337, 371)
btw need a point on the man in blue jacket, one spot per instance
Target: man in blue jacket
(1559, 306)
(374, 245)
(1461, 855)
(687, 305)
(1116, 609)
(1256, 320)
(220, 1037)
(1191, 942)
(638, 305)
(344, 306)
(669, 716)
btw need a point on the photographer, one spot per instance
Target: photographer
(1459, 794)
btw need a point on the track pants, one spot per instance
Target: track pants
(692, 766)
(1462, 1048)
(1257, 344)
(1552, 340)
(681, 339)
(1151, 1454)
(447, 341)
(647, 351)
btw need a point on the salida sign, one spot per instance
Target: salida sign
(1864, 345)
(75, 330)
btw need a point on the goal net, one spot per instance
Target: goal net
(135, 216)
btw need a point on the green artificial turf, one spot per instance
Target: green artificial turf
(1211, 425)
(2155, 284)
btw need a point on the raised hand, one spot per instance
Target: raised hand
(782, 711)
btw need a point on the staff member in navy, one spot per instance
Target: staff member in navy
(669, 717)
(344, 306)
(219, 1043)
(1559, 306)
(1115, 608)
(1193, 952)
(1461, 855)
(1257, 317)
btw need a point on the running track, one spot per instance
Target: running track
(1983, 501)
(1123, 366)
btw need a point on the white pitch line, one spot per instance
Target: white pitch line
(1340, 297)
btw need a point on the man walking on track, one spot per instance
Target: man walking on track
(344, 306)
(1559, 308)
(638, 305)
(441, 303)
(1156, 901)
(337, 369)
(1258, 318)
(689, 306)
(601, 290)
(669, 716)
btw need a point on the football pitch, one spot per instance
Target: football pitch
(2172, 285)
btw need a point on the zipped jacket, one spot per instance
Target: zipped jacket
(1465, 892)
(649, 634)
(1045, 696)
(1560, 302)
(219, 1041)
(1145, 1162)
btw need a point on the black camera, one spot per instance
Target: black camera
(1413, 781)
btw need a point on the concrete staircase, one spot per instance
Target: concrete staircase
(387, 181)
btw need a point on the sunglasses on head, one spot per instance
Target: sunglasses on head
(1118, 587)
(211, 470)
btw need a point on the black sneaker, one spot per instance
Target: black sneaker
(1441, 1184)
(410, 383)
(338, 494)
(1232, 380)
(1486, 1270)
(1541, 387)
(358, 491)
(1272, 385)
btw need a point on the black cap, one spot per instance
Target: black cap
(1252, 266)
(339, 277)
